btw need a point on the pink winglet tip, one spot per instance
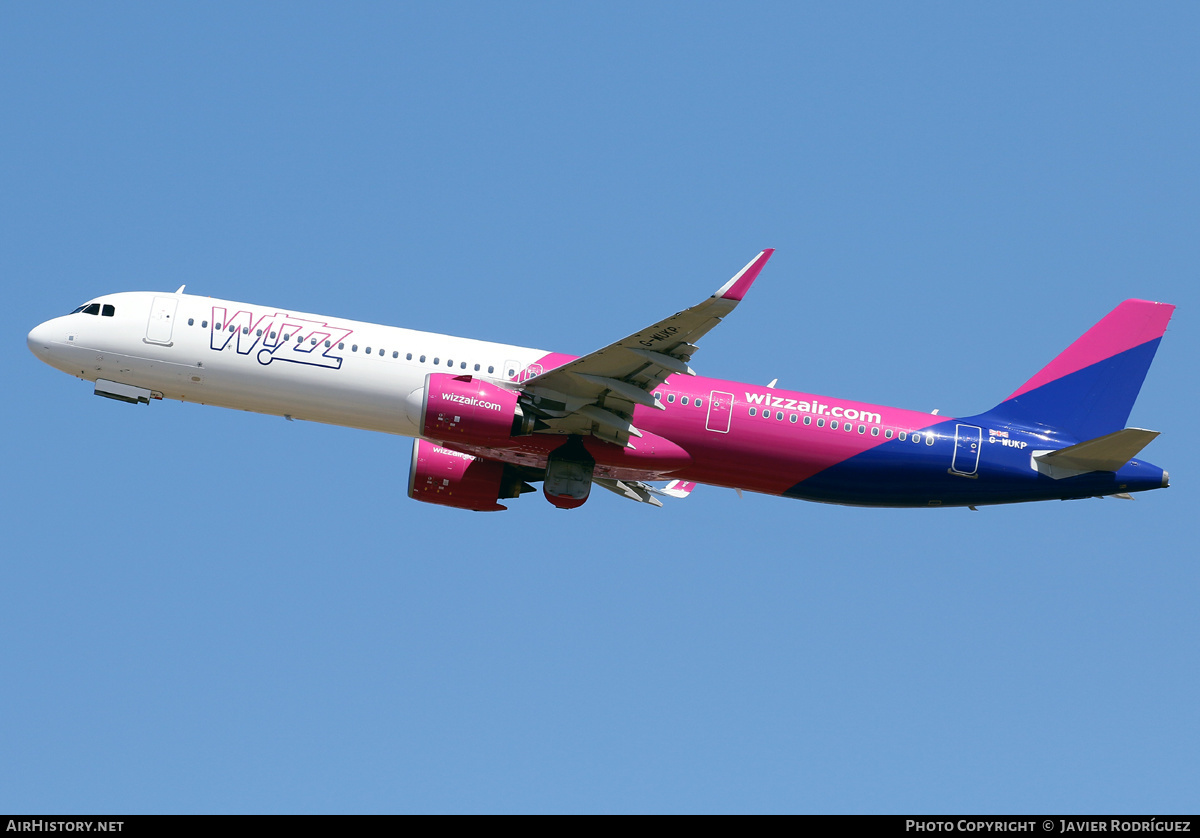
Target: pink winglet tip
(736, 288)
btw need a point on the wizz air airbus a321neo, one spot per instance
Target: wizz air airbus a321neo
(489, 419)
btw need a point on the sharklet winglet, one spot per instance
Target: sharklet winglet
(736, 288)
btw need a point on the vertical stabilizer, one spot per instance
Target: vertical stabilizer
(1090, 388)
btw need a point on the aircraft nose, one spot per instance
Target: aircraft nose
(39, 340)
(36, 341)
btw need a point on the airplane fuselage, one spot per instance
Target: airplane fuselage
(725, 433)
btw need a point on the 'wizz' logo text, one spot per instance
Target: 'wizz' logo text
(278, 337)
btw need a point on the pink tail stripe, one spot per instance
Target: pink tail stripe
(1130, 324)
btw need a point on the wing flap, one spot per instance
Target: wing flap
(623, 389)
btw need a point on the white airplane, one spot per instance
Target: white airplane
(488, 418)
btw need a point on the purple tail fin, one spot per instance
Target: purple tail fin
(1089, 389)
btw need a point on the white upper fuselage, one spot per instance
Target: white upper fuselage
(264, 359)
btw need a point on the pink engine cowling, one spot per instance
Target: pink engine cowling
(448, 478)
(461, 408)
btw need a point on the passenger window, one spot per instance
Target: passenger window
(792, 418)
(203, 324)
(272, 336)
(903, 435)
(408, 356)
(820, 423)
(354, 347)
(108, 310)
(477, 368)
(422, 359)
(368, 350)
(807, 420)
(833, 424)
(435, 360)
(287, 336)
(258, 333)
(849, 427)
(191, 321)
(754, 411)
(340, 345)
(491, 369)
(874, 431)
(683, 400)
(463, 366)
(779, 415)
(658, 397)
(862, 429)
(380, 353)
(217, 326)
(327, 344)
(395, 354)
(916, 437)
(449, 363)
(888, 433)
(671, 399)
(699, 402)
(929, 439)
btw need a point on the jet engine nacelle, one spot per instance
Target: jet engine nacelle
(449, 478)
(462, 408)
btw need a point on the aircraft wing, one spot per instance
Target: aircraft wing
(597, 393)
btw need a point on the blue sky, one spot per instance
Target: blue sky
(210, 611)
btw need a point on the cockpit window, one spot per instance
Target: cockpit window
(108, 309)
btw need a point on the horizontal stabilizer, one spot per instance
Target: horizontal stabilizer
(632, 489)
(678, 488)
(1106, 453)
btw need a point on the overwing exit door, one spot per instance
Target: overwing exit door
(720, 411)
